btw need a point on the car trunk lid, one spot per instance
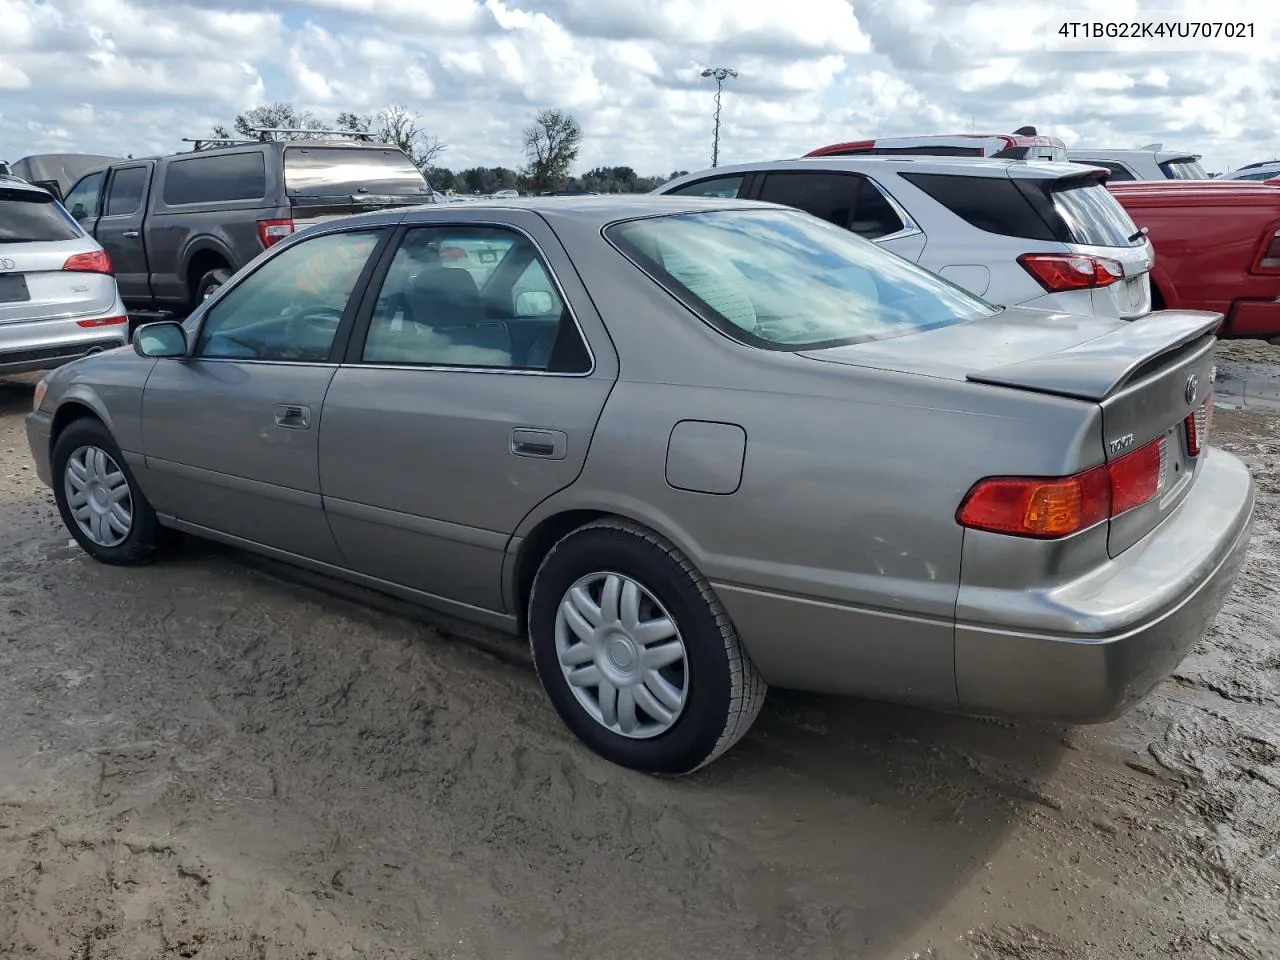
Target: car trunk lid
(1149, 376)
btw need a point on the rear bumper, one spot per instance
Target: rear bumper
(1256, 318)
(1088, 650)
(27, 345)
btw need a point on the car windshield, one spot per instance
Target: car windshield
(1184, 170)
(784, 280)
(27, 216)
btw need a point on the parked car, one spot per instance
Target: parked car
(58, 299)
(57, 172)
(813, 464)
(1152, 162)
(1015, 232)
(1265, 170)
(178, 227)
(1023, 144)
(1217, 248)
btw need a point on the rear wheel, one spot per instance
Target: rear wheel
(636, 652)
(208, 284)
(99, 498)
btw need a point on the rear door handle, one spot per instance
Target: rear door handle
(131, 234)
(547, 444)
(293, 416)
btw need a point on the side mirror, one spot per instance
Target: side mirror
(159, 340)
(78, 211)
(534, 303)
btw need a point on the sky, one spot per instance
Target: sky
(136, 76)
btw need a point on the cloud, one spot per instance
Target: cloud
(136, 76)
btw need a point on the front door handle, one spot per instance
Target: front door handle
(537, 442)
(131, 234)
(293, 416)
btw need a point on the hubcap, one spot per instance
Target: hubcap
(98, 496)
(622, 654)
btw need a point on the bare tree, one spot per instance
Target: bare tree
(272, 115)
(397, 125)
(551, 145)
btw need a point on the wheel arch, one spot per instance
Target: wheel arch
(76, 406)
(549, 524)
(205, 254)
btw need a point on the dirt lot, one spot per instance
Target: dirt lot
(203, 759)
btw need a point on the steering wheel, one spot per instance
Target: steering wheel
(318, 315)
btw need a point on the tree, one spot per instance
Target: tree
(397, 125)
(273, 115)
(551, 145)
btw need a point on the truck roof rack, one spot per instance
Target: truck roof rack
(269, 133)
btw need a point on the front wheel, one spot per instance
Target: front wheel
(636, 652)
(99, 498)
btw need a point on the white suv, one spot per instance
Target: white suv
(1152, 162)
(1016, 232)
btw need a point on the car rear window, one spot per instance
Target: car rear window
(1093, 216)
(218, 178)
(783, 280)
(29, 217)
(351, 171)
(1184, 170)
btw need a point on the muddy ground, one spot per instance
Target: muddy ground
(204, 759)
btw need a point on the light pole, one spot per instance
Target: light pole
(721, 74)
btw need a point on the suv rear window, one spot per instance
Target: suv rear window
(349, 171)
(27, 216)
(216, 179)
(1184, 170)
(1093, 216)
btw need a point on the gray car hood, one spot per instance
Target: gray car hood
(1040, 350)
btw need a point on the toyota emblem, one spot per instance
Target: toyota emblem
(1193, 385)
(6, 263)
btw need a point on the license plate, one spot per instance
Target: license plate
(13, 288)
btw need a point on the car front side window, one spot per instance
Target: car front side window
(290, 307)
(82, 201)
(496, 307)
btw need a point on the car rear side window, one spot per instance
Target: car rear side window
(1184, 170)
(846, 199)
(725, 188)
(216, 179)
(124, 195)
(28, 216)
(350, 171)
(993, 204)
(1118, 170)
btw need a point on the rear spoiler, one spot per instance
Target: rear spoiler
(1097, 368)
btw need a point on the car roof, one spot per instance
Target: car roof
(1103, 153)
(588, 210)
(967, 166)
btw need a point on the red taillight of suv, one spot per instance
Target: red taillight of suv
(1269, 253)
(95, 262)
(1059, 272)
(273, 231)
(1046, 508)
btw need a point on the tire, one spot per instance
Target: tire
(209, 283)
(719, 688)
(87, 449)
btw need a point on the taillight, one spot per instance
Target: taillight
(1058, 272)
(102, 322)
(1047, 508)
(1269, 255)
(95, 262)
(273, 231)
(1197, 426)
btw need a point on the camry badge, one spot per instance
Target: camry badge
(1193, 387)
(6, 263)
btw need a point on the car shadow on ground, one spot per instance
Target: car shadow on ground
(853, 822)
(15, 393)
